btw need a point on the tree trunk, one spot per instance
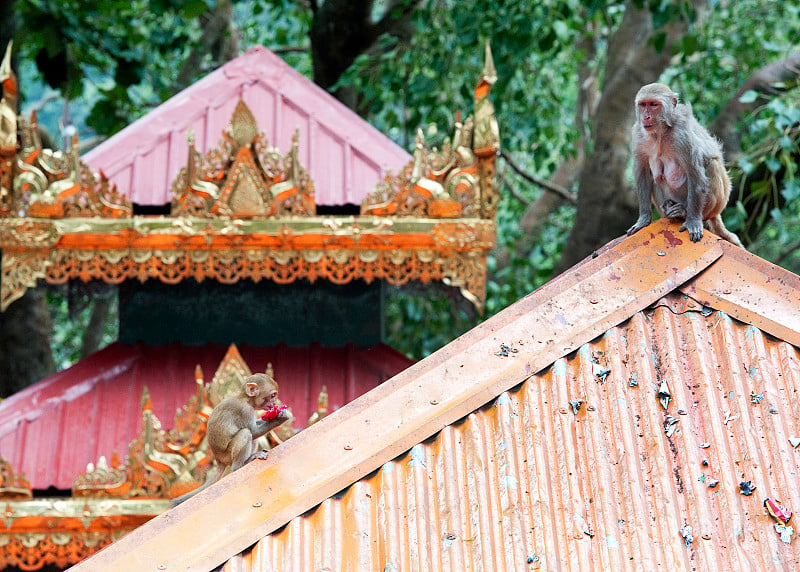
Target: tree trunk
(93, 336)
(25, 355)
(342, 30)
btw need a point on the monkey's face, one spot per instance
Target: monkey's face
(269, 396)
(650, 112)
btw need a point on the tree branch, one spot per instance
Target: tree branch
(565, 194)
(788, 250)
(290, 49)
(764, 81)
(219, 22)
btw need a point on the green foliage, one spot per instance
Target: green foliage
(768, 205)
(419, 320)
(70, 324)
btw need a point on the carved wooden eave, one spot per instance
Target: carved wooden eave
(245, 210)
(111, 498)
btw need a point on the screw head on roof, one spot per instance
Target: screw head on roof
(348, 447)
(162, 566)
(434, 402)
(257, 505)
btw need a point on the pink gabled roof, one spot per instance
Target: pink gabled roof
(344, 154)
(52, 429)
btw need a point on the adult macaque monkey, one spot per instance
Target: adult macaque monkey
(233, 426)
(677, 165)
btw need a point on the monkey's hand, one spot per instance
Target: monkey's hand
(274, 413)
(695, 229)
(642, 222)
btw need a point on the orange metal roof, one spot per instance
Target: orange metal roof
(52, 429)
(539, 440)
(346, 156)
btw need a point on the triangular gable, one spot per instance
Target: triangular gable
(503, 352)
(344, 154)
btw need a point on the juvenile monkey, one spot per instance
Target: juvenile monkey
(677, 165)
(233, 426)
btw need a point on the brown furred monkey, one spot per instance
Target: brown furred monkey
(677, 165)
(233, 427)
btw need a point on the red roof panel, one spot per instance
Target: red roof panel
(344, 154)
(51, 430)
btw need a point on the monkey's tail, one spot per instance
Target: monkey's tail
(209, 481)
(716, 226)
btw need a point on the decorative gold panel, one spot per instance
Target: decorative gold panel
(244, 178)
(456, 182)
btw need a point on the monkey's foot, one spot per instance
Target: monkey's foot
(695, 230)
(673, 210)
(263, 455)
(640, 224)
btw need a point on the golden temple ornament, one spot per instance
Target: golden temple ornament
(247, 211)
(244, 177)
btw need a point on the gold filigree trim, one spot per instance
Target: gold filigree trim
(456, 181)
(244, 177)
(337, 249)
(61, 532)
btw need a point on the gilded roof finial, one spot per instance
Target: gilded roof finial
(243, 124)
(489, 75)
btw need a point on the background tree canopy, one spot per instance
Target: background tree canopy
(568, 71)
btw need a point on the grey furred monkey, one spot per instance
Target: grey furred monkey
(677, 165)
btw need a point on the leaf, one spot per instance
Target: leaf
(689, 44)
(658, 40)
(193, 8)
(561, 29)
(773, 164)
(745, 165)
(748, 96)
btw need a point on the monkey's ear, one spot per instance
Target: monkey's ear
(675, 100)
(251, 389)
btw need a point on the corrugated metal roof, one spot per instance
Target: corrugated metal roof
(344, 154)
(470, 460)
(524, 483)
(52, 429)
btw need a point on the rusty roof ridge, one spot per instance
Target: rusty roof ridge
(751, 290)
(474, 369)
